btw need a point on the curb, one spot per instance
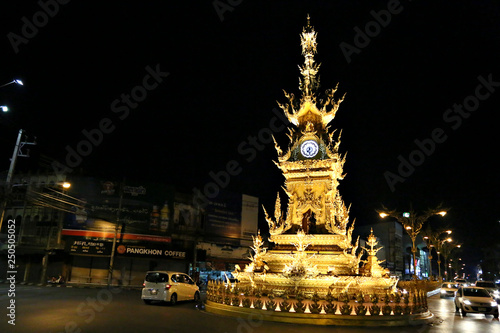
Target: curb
(320, 319)
(433, 292)
(71, 285)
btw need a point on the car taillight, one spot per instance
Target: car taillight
(167, 287)
(143, 284)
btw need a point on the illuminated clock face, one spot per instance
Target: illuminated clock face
(309, 148)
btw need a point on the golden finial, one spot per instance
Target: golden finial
(309, 83)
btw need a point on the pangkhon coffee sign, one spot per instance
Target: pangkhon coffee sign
(150, 251)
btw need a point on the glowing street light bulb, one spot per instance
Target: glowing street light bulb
(16, 81)
(408, 227)
(66, 185)
(382, 215)
(4, 108)
(449, 240)
(442, 213)
(448, 232)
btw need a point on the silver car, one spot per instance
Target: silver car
(475, 300)
(448, 289)
(491, 287)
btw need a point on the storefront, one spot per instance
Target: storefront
(90, 261)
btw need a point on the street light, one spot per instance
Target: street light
(12, 160)
(439, 246)
(447, 249)
(413, 225)
(16, 81)
(55, 201)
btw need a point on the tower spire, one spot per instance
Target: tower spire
(309, 82)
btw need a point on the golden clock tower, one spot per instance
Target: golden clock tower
(312, 167)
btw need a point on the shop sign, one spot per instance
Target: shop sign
(84, 247)
(150, 251)
(134, 191)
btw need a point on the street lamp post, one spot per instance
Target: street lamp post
(413, 224)
(117, 227)
(432, 238)
(48, 247)
(439, 246)
(436, 241)
(447, 249)
(17, 152)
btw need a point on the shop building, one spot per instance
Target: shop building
(74, 233)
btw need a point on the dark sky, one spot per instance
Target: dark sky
(226, 70)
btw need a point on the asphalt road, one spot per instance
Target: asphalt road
(78, 310)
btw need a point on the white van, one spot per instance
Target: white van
(167, 286)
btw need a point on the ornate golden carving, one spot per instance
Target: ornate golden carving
(314, 238)
(371, 266)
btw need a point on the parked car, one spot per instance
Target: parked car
(491, 287)
(167, 286)
(475, 300)
(448, 289)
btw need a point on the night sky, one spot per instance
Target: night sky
(424, 72)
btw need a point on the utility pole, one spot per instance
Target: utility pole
(117, 225)
(49, 247)
(8, 186)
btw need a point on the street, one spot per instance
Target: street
(50, 309)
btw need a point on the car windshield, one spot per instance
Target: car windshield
(156, 277)
(449, 285)
(485, 284)
(474, 292)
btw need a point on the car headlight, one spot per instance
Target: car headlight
(493, 304)
(496, 292)
(467, 302)
(443, 291)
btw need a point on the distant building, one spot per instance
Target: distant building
(153, 227)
